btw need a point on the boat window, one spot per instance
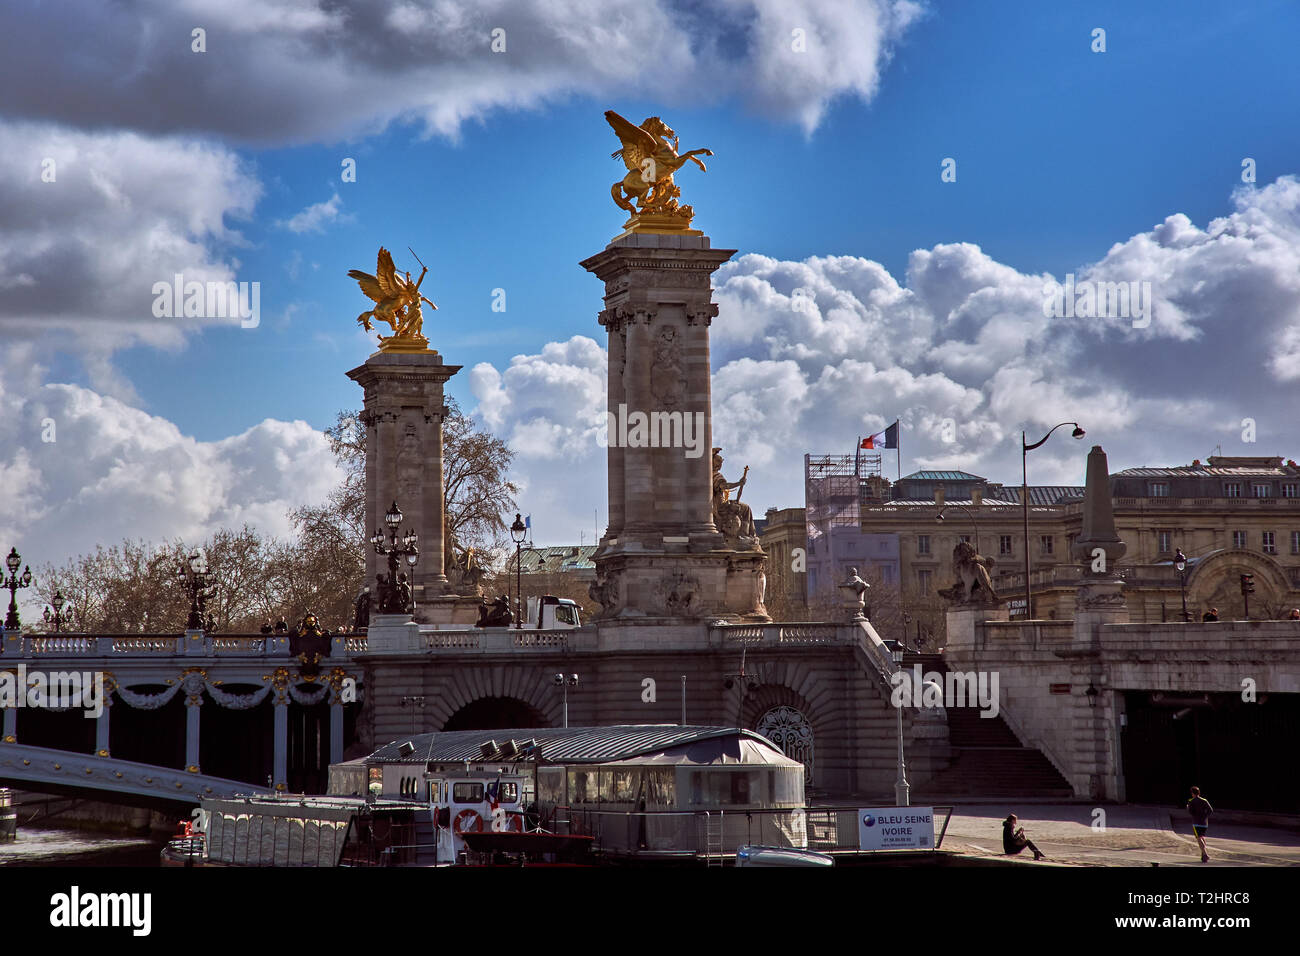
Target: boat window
(624, 786)
(582, 786)
(508, 793)
(550, 786)
(467, 793)
(660, 786)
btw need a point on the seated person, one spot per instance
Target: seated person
(1014, 839)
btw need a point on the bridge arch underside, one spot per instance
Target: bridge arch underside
(495, 713)
(1241, 754)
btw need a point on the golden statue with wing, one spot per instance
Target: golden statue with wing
(650, 153)
(397, 302)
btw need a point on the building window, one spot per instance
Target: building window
(1291, 490)
(922, 544)
(1269, 546)
(1004, 544)
(1045, 544)
(923, 579)
(1295, 542)
(1260, 490)
(1158, 489)
(1165, 538)
(1238, 539)
(886, 574)
(1232, 489)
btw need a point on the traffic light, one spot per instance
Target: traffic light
(1248, 584)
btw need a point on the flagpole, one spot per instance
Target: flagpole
(898, 451)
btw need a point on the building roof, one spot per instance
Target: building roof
(942, 476)
(1039, 494)
(559, 744)
(1201, 471)
(570, 557)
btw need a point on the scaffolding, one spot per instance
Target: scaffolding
(833, 489)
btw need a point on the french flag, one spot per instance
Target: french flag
(886, 439)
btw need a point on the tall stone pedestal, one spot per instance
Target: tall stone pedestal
(661, 555)
(403, 415)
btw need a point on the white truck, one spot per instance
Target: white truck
(551, 613)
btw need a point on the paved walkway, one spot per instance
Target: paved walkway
(1133, 836)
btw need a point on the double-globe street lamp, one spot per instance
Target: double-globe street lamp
(1025, 449)
(391, 600)
(13, 583)
(58, 617)
(566, 681)
(191, 575)
(517, 531)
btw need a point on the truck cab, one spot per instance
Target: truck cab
(551, 613)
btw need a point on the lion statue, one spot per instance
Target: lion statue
(972, 571)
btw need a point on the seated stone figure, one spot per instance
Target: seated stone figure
(972, 570)
(496, 614)
(732, 518)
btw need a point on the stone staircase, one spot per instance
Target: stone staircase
(989, 761)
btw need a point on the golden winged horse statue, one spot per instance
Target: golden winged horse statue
(650, 153)
(397, 302)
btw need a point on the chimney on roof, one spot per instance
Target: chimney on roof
(977, 496)
(938, 495)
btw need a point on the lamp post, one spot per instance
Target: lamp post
(902, 792)
(1180, 562)
(565, 682)
(391, 547)
(970, 514)
(58, 618)
(13, 583)
(192, 576)
(1025, 449)
(517, 532)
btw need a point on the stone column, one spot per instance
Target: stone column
(403, 416)
(336, 724)
(102, 726)
(280, 764)
(193, 703)
(661, 555)
(10, 734)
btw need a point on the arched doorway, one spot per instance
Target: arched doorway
(792, 732)
(495, 713)
(1215, 581)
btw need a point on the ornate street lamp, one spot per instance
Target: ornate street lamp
(13, 583)
(517, 532)
(566, 682)
(57, 617)
(1025, 449)
(191, 575)
(391, 600)
(1180, 562)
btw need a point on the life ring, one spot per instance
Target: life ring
(468, 821)
(513, 823)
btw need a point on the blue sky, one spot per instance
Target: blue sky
(1061, 153)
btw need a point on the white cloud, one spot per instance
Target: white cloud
(314, 218)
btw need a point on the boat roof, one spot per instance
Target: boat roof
(695, 744)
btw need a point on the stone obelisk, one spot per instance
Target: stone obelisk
(661, 554)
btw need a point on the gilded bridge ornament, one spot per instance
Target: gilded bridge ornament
(397, 303)
(650, 154)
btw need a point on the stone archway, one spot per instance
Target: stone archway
(1215, 581)
(495, 713)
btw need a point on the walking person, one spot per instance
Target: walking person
(1210, 616)
(1014, 839)
(1200, 810)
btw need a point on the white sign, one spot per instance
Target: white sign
(896, 828)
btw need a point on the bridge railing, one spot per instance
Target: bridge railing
(192, 643)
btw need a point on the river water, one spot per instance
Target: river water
(38, 846)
